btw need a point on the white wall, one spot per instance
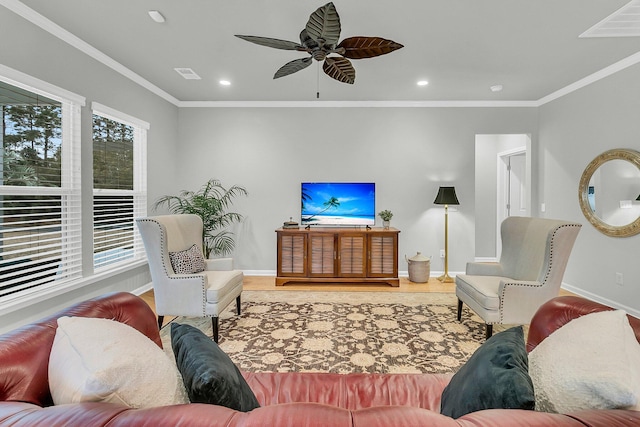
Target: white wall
(408, 152)
(573, 131)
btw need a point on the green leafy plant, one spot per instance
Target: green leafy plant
(386, 215)
(210, 203)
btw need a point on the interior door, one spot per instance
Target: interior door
(516, 196)
(512, 194)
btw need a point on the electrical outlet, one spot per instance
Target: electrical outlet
(441, 253)
(619, 279)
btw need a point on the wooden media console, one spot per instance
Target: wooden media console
(338, 255)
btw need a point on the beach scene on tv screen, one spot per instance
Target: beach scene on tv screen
(338, 203)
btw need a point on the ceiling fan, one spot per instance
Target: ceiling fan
(320, 39)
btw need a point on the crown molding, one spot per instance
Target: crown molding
(355, 104)
(592, 78)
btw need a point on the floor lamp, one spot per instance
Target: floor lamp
(446, 196)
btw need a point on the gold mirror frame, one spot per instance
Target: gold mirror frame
(631, 229)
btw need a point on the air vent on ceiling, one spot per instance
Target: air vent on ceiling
(625, 22)
(187, 73)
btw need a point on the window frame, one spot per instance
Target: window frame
(70, 186)
(71, 128)
(139, 192)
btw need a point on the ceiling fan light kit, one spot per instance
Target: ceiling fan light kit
(320, 39)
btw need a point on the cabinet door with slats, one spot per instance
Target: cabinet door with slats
(383, 255)
(322, 255)
(292, 254)
(352, 255)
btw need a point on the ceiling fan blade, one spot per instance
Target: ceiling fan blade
(275, 43)
(293, 67)
(367, 47)
(339, 69)
(307, 41)
(324, 25)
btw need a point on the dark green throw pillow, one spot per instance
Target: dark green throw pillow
(208, 373)
(495, 377)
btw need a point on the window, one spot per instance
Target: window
(40, 234)
(119, 185)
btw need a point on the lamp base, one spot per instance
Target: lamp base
(445, 278)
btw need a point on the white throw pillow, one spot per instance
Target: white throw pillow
(101, 360)
(592, 362)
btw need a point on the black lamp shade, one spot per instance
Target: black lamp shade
(638, 198)
(446, 196)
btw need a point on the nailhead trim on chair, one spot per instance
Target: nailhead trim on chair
(546, 276)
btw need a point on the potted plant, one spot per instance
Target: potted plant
(386, 216)
(210, 203)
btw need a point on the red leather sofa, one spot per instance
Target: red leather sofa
(286, 399)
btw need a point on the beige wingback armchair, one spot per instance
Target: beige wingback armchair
(535, 252)
(200, 294)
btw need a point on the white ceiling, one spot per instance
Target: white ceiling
(462, 47)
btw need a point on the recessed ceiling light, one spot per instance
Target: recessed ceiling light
(496, 88)
(156, 16)
(224, 83)
(423, 83)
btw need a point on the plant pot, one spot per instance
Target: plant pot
(385, 224)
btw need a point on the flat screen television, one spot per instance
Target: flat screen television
(338, 203)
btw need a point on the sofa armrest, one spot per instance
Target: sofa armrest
(561, 310)
(219, 264)
(484, 269)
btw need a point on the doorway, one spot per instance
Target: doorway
(502, 187)
(511, 188)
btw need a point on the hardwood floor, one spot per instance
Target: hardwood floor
(267, 283)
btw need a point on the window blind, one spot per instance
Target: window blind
(40, 226)
(119, 195)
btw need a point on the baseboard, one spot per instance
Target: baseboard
(602, 300)
(268, 273)
(485, 259)
(142, 289)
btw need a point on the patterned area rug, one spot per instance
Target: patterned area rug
(344, 332)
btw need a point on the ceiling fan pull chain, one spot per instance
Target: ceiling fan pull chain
(318, 80)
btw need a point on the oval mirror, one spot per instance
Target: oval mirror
(609, 192)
